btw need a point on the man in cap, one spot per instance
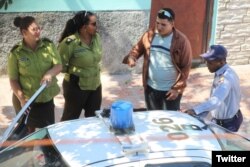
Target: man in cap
(224, 101)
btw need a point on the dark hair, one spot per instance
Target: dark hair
(166, 13)
(23, 22)
(74, 24)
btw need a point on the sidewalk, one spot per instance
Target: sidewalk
(129, 87)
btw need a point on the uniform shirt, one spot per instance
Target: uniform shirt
(162, 72)
(225, 96)
(28, 67)
(82, 60)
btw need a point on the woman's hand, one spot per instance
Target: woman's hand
(47, 78)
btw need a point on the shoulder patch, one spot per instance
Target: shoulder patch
(47, 40)
(221, 79)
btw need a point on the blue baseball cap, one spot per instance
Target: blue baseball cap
(215, 52)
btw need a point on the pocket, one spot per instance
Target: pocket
(79, 52)
(24, 62)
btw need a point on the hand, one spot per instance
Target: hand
(131, 62)
(189, 111)
(47, 78)
(23, 102)
(172, 94)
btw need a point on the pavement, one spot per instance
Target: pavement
(129, 87)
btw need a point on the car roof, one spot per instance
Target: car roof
(159, 134)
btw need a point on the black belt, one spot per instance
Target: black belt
(224, 121)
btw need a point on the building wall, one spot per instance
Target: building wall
(233, 29)
(121, 28)
(120, 24)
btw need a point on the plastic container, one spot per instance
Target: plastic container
(121, 115)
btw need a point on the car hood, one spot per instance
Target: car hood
(162, 134)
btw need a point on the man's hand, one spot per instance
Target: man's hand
(131, 62)
(189, 111)
(172, 94)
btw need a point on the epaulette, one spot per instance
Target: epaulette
(69, 40)
(47, 40)
(14, 48)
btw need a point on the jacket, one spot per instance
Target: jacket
(180, 51)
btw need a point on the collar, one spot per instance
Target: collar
(77, 35)
(23, 46)
(221, 71)
(152, 31)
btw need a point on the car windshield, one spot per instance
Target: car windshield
(229, 140)
(34, 150)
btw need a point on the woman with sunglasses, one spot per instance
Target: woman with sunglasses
(31, 62)
(81, 52)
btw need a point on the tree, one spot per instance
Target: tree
(5, 3)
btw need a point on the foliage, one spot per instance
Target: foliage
(5, 3)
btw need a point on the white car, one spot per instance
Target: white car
(161, 138)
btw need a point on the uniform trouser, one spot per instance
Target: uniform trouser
(77, 99)
(156, 100)
(40, 114)
(232, 124)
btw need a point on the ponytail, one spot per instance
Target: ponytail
(75, 24)
(69, 29)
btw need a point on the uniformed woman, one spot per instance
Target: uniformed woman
(32, 62)
(81, 51)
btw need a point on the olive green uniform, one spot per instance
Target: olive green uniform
(28, 67)
(82, 82)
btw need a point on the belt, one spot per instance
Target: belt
(224, 121)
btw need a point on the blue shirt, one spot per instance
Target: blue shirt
(225, 96)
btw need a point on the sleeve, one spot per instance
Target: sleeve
(99, 41)
(12, 66)
(137, 50)
(56, 57)
(184, 65)
(217, 97)
(65, 50)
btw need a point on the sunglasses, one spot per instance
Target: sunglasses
(165, 13)
(86, 12)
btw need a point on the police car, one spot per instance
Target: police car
(158, 138)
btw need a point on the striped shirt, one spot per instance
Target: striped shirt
(162, 73)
